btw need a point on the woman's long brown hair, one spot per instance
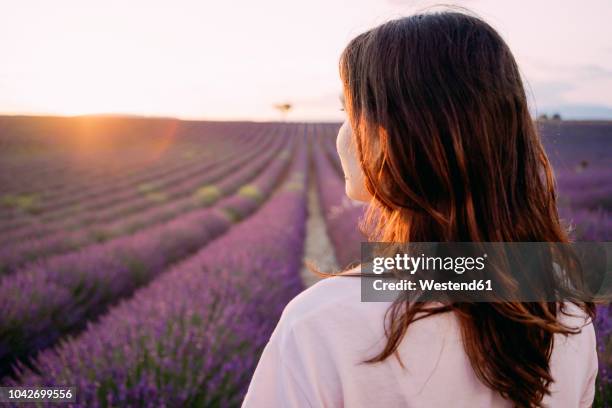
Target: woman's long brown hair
(450, 153)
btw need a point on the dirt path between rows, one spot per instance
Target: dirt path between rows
(317, 248)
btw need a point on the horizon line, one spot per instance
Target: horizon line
(238, 119)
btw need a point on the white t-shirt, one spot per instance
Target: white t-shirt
(313, 359)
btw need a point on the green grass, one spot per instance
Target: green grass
(207, 194)
(251, 191)
(26, 202)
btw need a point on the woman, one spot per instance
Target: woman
(439, 141)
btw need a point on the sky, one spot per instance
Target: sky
(237, 59)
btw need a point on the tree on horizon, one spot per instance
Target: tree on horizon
(284, 109)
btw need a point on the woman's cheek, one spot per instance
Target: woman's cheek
(355, 187)
(354, 178)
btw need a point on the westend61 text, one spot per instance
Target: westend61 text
(432, 285)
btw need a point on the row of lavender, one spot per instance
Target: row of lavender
(193, 337)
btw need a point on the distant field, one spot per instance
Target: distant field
(149, 259)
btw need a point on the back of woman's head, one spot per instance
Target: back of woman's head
(449, 152)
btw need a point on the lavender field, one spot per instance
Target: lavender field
(147, 261)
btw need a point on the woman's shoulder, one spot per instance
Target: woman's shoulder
(324, 297)
(575, 318)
